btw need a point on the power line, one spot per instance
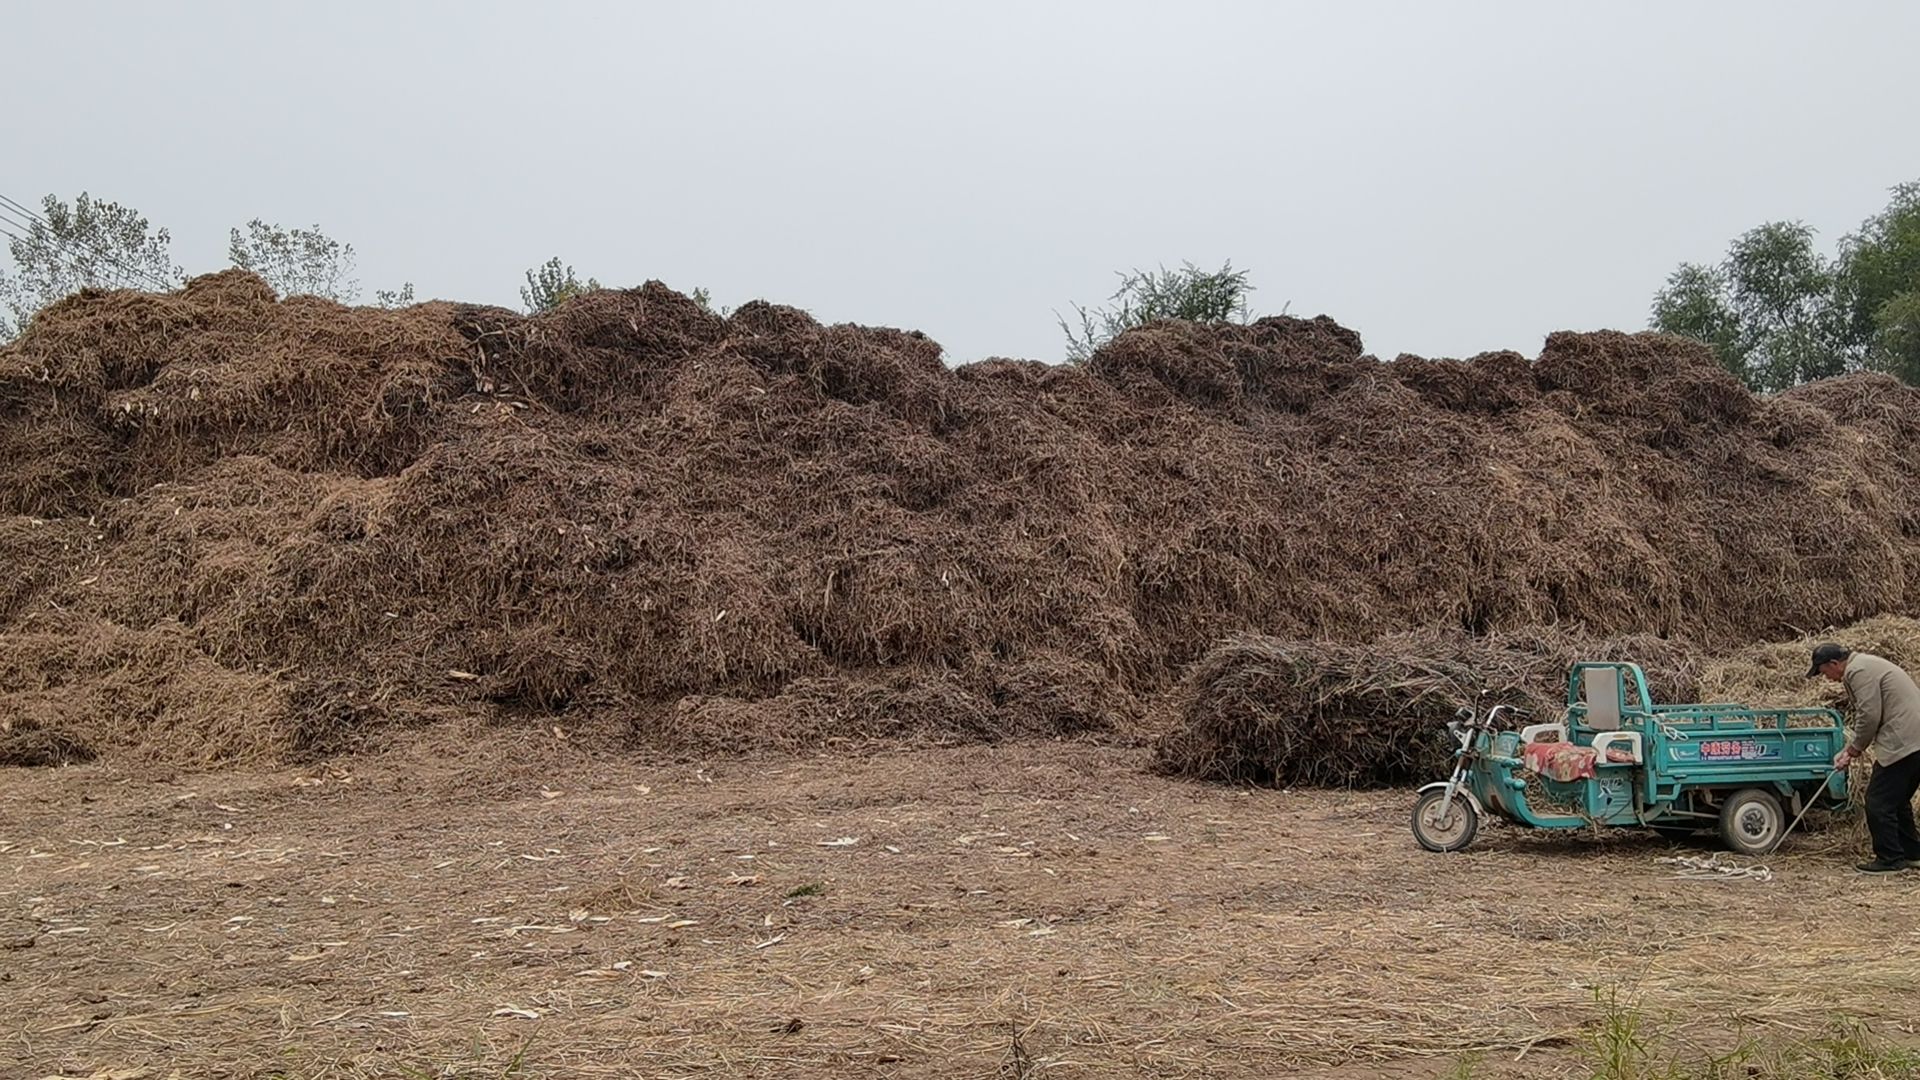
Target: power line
(139, 274)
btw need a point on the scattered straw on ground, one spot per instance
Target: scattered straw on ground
(915, 915)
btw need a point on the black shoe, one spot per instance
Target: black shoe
(1882, 866)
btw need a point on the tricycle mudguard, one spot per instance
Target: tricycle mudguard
(1464, 792)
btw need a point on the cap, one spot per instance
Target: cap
(1825, 654)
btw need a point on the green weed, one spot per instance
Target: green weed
(1624, 1044)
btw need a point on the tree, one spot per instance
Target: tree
(1783, 297)
(92, 243)
(1145, 296)
(1694, 304)
(1767, 309)
(550, 285)
(1879, 283)
(1896, 341)
(296, 262)
(1778, 313)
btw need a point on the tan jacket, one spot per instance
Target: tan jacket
(1886, 707)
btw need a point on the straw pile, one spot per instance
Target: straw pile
(1777, 672)
(232, 526)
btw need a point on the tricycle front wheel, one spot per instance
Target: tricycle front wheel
(1451, 831)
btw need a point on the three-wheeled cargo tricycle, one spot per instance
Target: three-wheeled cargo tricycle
(1618, 758)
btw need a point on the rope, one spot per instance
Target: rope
(1716, 867)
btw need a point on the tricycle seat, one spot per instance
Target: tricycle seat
(1562, 759)
(1614, 747)
(1620, 747)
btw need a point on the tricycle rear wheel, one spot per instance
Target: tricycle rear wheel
(1752, 821)
(1451, 833)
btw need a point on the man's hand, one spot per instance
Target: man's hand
(1844, 758)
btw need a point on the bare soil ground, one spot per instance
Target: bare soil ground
(1043, 909)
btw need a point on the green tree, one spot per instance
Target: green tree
(1145, 296)
(92, 243)
(1896, 339)
(1783, 295)
(1694, 304)
(550, 285)
(296, 262)
(1778, 313)
(1768, 309)
(1879, 286)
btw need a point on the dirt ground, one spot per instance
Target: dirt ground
(1043, 909)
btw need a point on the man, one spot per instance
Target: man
(1886, 707)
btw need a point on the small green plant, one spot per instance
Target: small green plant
(701, 296)
(1624, 1045)
(552, 284)
(518, 1061)
(1852, 1051)
(394, 298)
(813, 888)
(1145, 296)
(1621, 1046)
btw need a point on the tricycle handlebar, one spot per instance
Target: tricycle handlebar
(1465, 717)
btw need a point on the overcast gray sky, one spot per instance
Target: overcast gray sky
(1444, 178)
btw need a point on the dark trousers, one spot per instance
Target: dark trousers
(1890, 809)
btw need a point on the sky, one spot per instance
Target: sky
(1445, 178)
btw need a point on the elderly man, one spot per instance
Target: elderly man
(1886, 717)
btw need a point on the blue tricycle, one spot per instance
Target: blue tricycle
(1618, 758)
